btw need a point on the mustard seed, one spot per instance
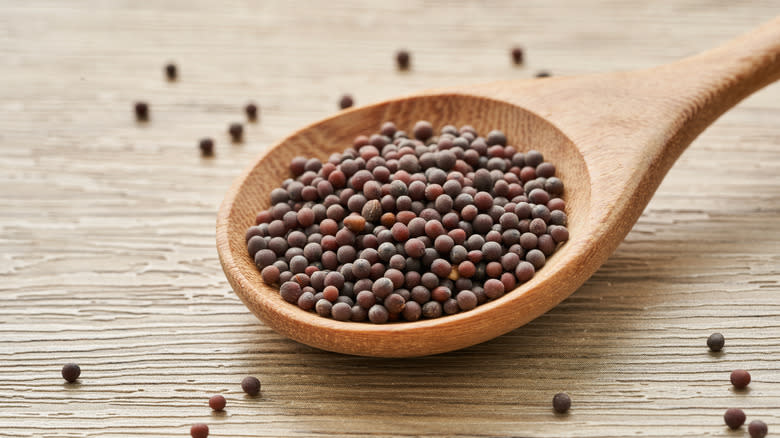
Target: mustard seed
(251, 111)
(141, 111)
(734, 418)
(217, 402)
(199, 430)
(715, 342)
(757, 429)
(171, 72)
(403, 59)
(251, 385)
(206, 147)
(236, 131)
(561, 402)
(71, 372)
(346, 101)
(378, 314)
(740, 379)
(517, 55)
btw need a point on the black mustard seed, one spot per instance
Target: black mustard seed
(561, 402)
(71, 372)
(251, 385)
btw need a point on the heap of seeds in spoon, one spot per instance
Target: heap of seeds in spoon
(400, 227)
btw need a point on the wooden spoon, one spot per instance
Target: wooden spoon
(612, 137)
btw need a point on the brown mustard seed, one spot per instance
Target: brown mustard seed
(217, 402)
(561, 402)
(171, 72)
(206, 146)
(734, 418)
(401, 227)
(517, 55)
(251, 385)
(543, 74)
(236, 131)
(71, 372)
(740, 379)
(715, 342)
(252, 111)
(346, 101)
(403, 59)
(141, 111)
(757, 429)
(199, 430)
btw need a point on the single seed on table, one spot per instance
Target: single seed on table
(206, 146)
(734, 418)
(71, 372)
(199, 430)
(757, 429)
(236, 131)
(251, 385)
(715, 342)
(141, 111)
(543, 74)
(251, 111)
(517, 55)
(403, 59)
(171, 71)
(346, 101)
(740, 379)
(217, 402)
(561, 402)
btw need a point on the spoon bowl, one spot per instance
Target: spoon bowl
(612, 138)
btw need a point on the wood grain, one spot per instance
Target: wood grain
(107, 244)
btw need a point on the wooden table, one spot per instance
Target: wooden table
(107, 254)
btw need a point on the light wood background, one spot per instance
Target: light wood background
(107, 253)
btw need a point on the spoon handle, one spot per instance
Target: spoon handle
(708, 84)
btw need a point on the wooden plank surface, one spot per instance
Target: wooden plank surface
(107, 253)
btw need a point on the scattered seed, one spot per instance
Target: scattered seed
(715, 341)
(199, 430)
(251, 111)
(561, 402)
(543, 74)
(517, 55)
(757, 429)
(740, 379)
(171, 71)
(141, 111)
(206, 146)
(217, 402)
(403, 59)
(346, 101)
(71, 372)
(734, 418)
(251, 385)
(236, 131)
